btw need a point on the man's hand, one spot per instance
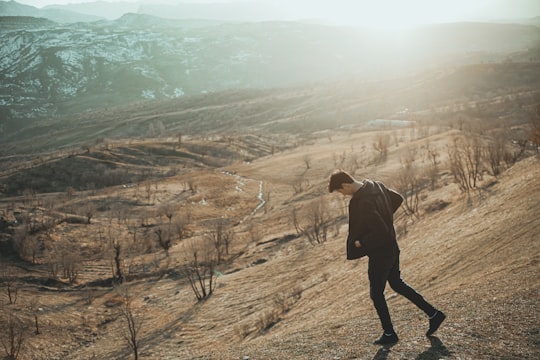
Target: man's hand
(358, 244)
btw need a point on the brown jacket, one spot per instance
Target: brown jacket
(371, 220)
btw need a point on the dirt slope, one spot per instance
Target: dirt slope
(477, 259)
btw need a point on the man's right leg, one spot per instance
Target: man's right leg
(378, 270)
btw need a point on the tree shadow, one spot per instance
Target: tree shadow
(436, 351)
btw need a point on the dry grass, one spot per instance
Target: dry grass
(280, 297)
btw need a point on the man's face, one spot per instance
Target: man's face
(346, 189)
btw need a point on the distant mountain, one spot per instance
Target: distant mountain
(99, 9)
(242, 11)
(48, 68)
(231, 11)
(13, 8)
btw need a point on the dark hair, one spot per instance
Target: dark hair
(338, 178)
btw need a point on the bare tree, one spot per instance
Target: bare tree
(181, 226)
(408, 182)
(221, 237)
(307, 161)
(164, 238)
(13, 336)
(433, 168)
(315, 221)
(339, 160)
(88, 211)
(34, 247)
(53, 265)
(165, 235)
(166, 210)
(118, 273)
(353, 163)
(191, 185)
(381, 144)
(28, 196)
(473, 160)
(34, 308)
(464, 161)
(457, 167)
(134, 323)
(254, 231)
(71, 262)
(9, 282)
(200, 269)
(22, 237)
(70, 192)
(494, 154)
(296, 220)
(148, 189)
(64, 257)
(299, 184)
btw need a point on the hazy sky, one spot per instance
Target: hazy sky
(377, 12)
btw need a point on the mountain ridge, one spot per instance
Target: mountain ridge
(13, 8)
(51, 69)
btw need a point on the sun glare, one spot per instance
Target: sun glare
(390, 15)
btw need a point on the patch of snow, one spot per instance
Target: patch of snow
(191, 40)
(68, 90)
(148, 94)
(240, 57)
(70, 57)
(178, 92)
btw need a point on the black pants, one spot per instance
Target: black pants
(382, 269)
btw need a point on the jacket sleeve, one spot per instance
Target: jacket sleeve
(395, 199)
(356, 230)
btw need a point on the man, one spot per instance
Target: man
(372, 234)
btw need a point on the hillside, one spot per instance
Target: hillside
(468, 259)
(498, 93)
(277, 296)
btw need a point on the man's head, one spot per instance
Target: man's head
(341, 181)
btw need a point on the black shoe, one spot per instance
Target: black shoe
(387, 339)
(435, 322)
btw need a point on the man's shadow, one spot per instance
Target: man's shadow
(382, 353)
(435, 351)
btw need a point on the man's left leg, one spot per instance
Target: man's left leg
(436, 317)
